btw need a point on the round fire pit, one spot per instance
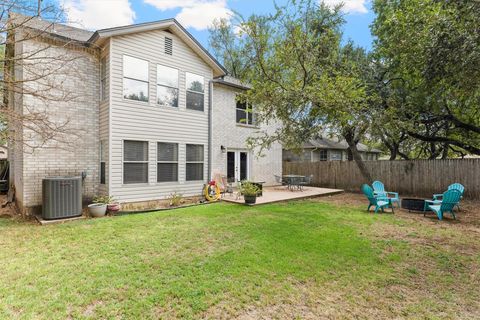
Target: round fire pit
(413, 204)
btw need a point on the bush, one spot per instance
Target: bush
(104, 199)
(175, 199)
(247, 188)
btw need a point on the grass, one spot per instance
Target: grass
(297, 260)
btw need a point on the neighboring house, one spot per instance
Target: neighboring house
(322, 149)
(3, 153)
(158, 115)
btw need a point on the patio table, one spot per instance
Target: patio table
(293, 180)
(259, 185)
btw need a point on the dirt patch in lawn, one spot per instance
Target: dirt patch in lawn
(415, 228)
(467, 218)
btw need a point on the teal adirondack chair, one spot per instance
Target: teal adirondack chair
(450, 199)
(379, 191)
(453, 186)
(379, 203)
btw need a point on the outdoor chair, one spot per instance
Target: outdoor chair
(454, 186)
(226, 186)
(379, 203)
(280, 180)
(379, 191)
(450, 199)
(306, 181)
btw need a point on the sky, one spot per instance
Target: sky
(197, 15)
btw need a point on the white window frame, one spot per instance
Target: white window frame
(166, 86)
(193, 91)
(250, 114)
(195, 162)
(176, 162)
(129, 78)
(123, 162)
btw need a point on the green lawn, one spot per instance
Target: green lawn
(297, 260)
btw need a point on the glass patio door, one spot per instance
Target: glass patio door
(237, 166)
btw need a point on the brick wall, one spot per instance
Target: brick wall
(226, 132)
(75, 83)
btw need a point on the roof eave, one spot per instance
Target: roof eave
(230, 84)
(101, 35)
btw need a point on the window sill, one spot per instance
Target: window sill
(140, 184)
(251, 126)
(193, 110)
(163, 183)
(167, 107)
(141, 103)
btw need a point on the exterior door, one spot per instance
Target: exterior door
(237, 166)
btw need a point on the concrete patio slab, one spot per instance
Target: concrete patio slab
(44, 222)
(281, 193)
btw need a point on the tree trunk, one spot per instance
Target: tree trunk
(445, 151)
(352, 147)
(393, 150)
(349, 155)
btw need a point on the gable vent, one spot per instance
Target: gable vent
(168, 46)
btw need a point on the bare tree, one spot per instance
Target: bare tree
(38, 60)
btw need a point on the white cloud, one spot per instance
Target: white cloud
(349, 6)
(198, 14)
(98, 14)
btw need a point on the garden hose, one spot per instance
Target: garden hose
(211, 192)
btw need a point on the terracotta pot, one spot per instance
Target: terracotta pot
(113, 207)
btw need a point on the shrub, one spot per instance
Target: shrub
(175, 199)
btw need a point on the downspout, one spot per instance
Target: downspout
(210, 115)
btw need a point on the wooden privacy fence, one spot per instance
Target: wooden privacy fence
(420, 178)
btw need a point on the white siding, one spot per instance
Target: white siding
(134, 120)
(104, 121)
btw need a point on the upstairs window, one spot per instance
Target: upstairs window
(195, 91)
(194, 163)
(245, 113)
(167, 162)
(167, 86)
(103, 79)
(135, 79)
(135, 161)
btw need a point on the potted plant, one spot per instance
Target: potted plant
(112, 205)
(100, 205)
(97, 209)
(249, 192)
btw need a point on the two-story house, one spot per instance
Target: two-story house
(153, 113)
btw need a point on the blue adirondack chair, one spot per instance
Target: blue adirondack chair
(450, 199)
(379, 191)
(374, 201)
(453, 186)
